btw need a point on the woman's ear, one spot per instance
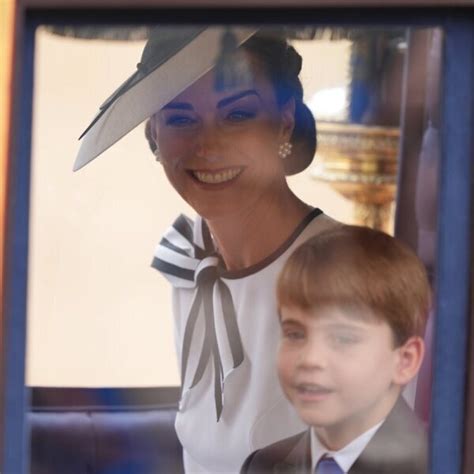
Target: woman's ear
(287, 119)
(409, 358)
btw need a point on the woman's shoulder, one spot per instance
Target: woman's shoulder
(320, 223)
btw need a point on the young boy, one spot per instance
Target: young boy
(353, 305)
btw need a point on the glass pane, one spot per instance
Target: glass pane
(101, 317)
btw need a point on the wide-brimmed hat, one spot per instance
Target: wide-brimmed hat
(172, 60)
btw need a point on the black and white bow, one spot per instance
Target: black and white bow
(187, 258)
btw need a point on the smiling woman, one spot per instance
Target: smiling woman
(227, 151)
(220, 151)
(226, 147)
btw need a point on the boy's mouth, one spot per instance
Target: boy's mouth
(312, 392)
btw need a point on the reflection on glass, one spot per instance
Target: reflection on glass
(358, 142)
(236, 143)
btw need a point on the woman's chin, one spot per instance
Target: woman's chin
(221, 203)
(213, 210)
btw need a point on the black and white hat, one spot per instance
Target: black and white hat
(174, 57)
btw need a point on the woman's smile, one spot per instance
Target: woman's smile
(216, 177)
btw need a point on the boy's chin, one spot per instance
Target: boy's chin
(317, 420)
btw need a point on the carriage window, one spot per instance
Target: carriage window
(93, 231)
(99, 315)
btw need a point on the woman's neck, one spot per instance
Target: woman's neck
(249, 236)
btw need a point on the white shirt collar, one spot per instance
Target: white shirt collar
(346, 456)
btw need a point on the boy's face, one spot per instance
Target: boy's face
(340, 371)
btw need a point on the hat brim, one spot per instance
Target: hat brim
(152, 92)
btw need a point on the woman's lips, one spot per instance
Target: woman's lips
(215, 176)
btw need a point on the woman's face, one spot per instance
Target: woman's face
(219, 149)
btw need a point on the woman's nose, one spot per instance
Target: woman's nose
(208, 143)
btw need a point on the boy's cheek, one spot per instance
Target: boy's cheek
(286, 365)
(282, 363)
(284, 377)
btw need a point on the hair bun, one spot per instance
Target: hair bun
(293, 61)
(304, 134)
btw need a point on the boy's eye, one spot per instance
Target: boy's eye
(240, 115)
(344, 339)
(293, 335)
(180, 121)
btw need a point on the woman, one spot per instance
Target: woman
(227, 151)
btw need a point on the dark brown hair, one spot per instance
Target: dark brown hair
(358, 268)
(282, 65)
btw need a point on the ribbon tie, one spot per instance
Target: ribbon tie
(187, 258)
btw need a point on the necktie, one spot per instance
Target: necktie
(328, 466)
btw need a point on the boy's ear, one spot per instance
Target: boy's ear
(409, 358)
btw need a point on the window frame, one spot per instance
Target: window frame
(455, 206)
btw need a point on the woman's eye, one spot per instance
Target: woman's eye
(180, 121)
(240, 115)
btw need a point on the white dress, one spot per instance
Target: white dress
(229, 412)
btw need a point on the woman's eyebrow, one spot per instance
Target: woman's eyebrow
(220, 104)
(233, 98)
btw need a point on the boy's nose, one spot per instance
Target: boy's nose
(314, 356)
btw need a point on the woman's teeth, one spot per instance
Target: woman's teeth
(216, 177)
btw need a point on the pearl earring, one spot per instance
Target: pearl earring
(156, 152)
(284, 151)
